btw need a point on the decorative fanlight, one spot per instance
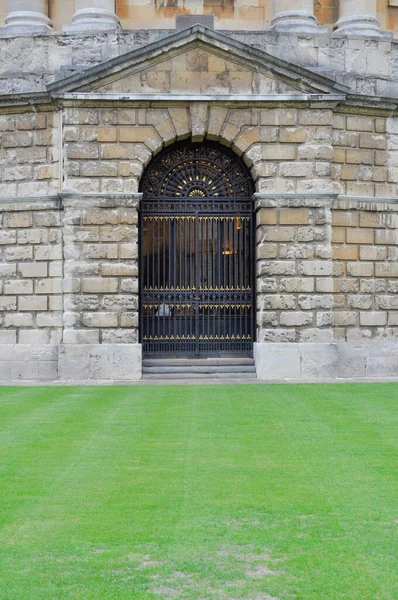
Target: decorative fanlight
(203, 170)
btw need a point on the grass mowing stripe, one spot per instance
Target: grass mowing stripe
(222, 492)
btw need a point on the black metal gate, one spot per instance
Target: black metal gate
(196, 271)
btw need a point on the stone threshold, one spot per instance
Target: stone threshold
(168, 382)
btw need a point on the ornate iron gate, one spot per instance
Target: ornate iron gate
(196, 271)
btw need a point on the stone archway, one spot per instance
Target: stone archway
(197, 253)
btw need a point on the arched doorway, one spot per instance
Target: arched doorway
(196, 253)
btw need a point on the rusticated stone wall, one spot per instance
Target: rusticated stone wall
(100, 270)
(360, 156)
(365, 254)
(30, 288)
(294, 269)
(29, 154)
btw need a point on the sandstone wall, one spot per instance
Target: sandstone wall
(29, 154)
(366, 66)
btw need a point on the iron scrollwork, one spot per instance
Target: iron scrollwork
(197, 171)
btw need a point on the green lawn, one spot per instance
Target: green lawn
(204, 492)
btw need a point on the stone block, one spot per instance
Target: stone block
(318, 361)
(32, 303)
(369, 140)
(33, 336)
(372, 318)
(7, 270)
(344, 318)
(360, 269)
(8, 336)
(99, 169)
(382, 366)
(338, 235)
(100, 319)
(386, 270)
(46, 252)
(99, 285)
(350, 363)
(386, 237)
(8, 237)
(345, 252)
(81, 336)
(21, 139)
(17, 286)
(387, 302)
(115, 362)
(345, 138)
(359, 157)
(24, 370)
(49, 319)
(315, 117)
(372, 252)
(100, 217)
(51, 285)
(294, 216)
(279, 152)
(359, 236)
(32, 269)
(295, 319)
(107, 134)
(292, 135)
(297, 284)
(280, 267)
(82, 151)
(19, 219)
(48, 370)
(315, 152)
(360, 123)
(315, 268)
(277, 361)
(128, 250)
(279, 234)
(267, 216)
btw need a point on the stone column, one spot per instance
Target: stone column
(27, 16)
(358, 17)
(295, 16)
(94, 15)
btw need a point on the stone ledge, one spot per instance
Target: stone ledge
(327, 361)
(100, 362)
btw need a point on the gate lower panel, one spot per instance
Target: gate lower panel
(196, 277)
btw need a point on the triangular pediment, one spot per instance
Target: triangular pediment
(198, 61)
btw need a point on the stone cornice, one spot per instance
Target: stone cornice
(58, 201)
(105, 200)
(336, 201)
(271, 200)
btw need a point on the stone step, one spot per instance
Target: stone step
(199, 369)
(197, 362)
(193, 376)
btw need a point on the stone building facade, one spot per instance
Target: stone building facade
(311, 112)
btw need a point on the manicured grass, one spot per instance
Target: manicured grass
(204, 492)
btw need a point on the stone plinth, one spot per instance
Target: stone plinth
(27, 16)
(93, 15)
(295, 17)
(296, 21)
(358, 17)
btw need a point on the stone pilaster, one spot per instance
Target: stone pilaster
(295, 16)
(358, 17)
(26, 16)
(93, 15)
